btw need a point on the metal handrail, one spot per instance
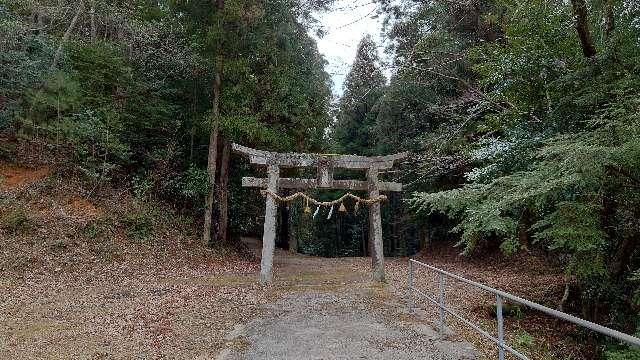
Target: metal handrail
(500, 296)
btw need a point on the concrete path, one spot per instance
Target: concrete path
(322, 313)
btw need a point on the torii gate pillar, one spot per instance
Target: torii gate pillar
(375, 227)
(324, 180)
(269, 233)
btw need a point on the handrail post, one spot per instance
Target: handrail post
(442, 316)
(410, 286)
(500, 327)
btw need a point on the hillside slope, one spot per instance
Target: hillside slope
(127, 277)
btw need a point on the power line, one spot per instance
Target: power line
(353, 7)
(358, 20)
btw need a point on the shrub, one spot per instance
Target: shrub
(92, 231)
(7, 152)
(524, 340)
(142, 186)
(138, 225)
(195, 185)
(17, 221)
(627, 354)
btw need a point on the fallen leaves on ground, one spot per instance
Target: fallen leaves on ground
(529, 276)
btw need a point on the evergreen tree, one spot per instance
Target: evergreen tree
(357, 107)
(269, 88)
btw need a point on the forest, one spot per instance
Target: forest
(522, 120)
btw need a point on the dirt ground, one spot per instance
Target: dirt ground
(12, 176)
(167, 308)
(156, 309)
(207, 308)
(97, 275)
(531, 277)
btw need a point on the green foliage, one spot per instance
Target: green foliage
(59, 95)
(522, 140)
(7, 153)
(16, 221)
(92, 230)
(132, 105)
(623, 354)
(509, 309)
(94, 136)
(563, 184)
(195, 185)
(575, 228)
(249, 128)
(342, 235)
(524, 340)
(24, 58)
(142, 186)
(138, 224)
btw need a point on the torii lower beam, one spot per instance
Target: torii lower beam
(325, 165)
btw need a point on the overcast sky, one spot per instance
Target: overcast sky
(344, 26)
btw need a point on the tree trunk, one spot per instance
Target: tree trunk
(622, 257)
(370, 250)
(283, 223)
(40, 13)
(424, 239)
(212, 160)
(364, 228)
(293, 236)
(223, 198)
(192, 132)
(213, 146)
(523, 227)
(607, 218)
(192, 135)
(609, 19)
(94, 31)
(66, 35)
(34, 17)
(582, 27)
(565, 294)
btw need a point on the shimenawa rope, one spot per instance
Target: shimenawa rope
(308, 198)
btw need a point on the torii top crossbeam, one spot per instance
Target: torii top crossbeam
(324, 180)
(325, 165)
(261, 157)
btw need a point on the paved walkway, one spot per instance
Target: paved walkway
(324, 313)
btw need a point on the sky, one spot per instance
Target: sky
(344, 26)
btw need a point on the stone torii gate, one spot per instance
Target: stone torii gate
(324, 180)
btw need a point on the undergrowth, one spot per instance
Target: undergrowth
(16, 221)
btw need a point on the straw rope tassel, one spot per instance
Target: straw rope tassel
(307, 209)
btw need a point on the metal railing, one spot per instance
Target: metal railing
(500, 297)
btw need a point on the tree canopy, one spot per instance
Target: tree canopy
(353, 132)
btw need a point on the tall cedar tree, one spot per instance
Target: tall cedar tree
(363, 86)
